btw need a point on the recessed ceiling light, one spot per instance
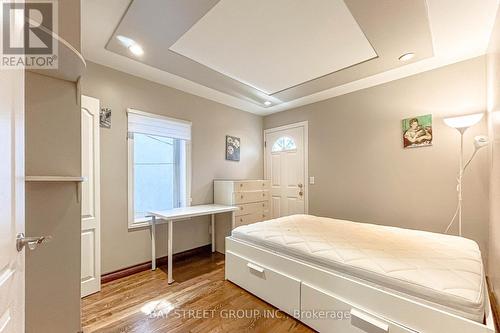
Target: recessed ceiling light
(267, 103)
(136, 49)
(131, 44)
(125, 40)
(407, 56)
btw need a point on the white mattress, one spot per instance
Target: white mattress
(441, 269)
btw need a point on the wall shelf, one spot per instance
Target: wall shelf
(54, 179)
(59, 179)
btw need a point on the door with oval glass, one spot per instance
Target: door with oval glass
(286, 168)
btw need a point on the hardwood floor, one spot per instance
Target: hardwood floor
(199, 301)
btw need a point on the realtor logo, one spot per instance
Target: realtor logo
(29, 31)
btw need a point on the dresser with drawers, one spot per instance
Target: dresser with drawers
(251, 196)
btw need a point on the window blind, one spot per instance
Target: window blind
(148, 123)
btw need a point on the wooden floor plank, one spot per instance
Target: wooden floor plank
(199, 301)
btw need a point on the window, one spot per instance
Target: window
(284, 143)
(158, 164)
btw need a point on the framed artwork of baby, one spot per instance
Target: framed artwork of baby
(417, 131)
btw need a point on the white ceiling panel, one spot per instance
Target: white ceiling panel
(275, 45)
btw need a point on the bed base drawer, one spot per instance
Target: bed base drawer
(327, 313)
(276, 288)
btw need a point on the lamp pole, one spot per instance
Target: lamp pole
(462, 123)
(460, 176)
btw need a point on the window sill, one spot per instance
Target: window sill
(139, 223)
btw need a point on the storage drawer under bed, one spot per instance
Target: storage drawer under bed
(326, 313)
(276, 288)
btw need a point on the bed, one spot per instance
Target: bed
(342, 276)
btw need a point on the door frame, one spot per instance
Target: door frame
(305, 125)
(84, 102)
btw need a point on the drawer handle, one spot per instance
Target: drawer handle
(241, 196)
(255, 268)
(241, 220)
(367, 323)
(241, 185)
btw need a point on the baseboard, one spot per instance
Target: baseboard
(108, 277)
(494, 305)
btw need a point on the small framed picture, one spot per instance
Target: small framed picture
(233, 146)
(417, 131)
(105, 118)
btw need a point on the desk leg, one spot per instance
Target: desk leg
(212, 225)
(170, 237)
(153, 243)
(233, 220)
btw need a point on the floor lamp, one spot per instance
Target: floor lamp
(462, 124)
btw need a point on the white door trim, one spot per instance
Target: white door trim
(305, 125)
(12, 201)
(92, 105)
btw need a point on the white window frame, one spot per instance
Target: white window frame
(135, 223)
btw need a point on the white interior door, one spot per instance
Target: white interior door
(91, 224)
(11, 200)
(286, 168)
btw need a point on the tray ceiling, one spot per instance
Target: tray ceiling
(288, 52)
(275, 50)
(275, 45)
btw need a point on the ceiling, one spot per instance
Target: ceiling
(258, 42)
(287, 52)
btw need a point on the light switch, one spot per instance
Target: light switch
(311, 180)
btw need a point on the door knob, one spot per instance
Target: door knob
(32, 242)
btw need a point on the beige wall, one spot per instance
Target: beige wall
(52, 116)
(52, 148)
(493, 72)
(363, 173)
(211, 122)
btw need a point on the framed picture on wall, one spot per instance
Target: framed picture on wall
(417, 131)
(105, 118)
(233, 148)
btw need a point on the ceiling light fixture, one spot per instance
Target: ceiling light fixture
(136, 49)
(406, 56)
(131, 44)
(267, 103)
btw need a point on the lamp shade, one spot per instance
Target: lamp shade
(480, 141)
(464, 122)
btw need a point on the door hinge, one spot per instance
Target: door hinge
(265, 144)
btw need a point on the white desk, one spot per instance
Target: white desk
(183, 213)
